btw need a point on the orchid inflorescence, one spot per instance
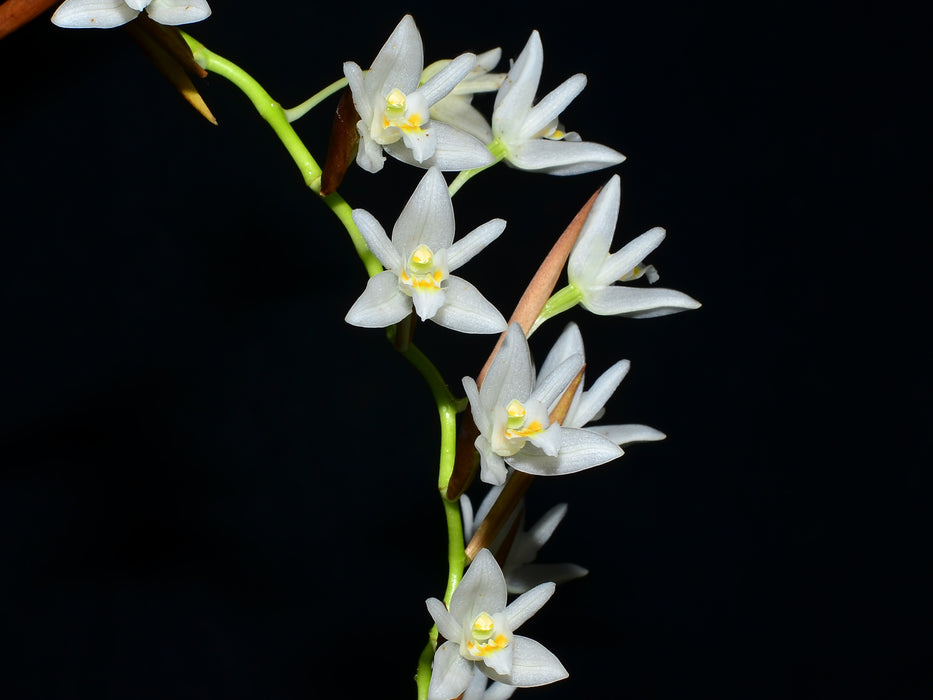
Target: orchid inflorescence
(524, 421)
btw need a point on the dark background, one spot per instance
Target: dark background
(213, 487)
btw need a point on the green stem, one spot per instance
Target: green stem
(499, 152)
(343, 211)
(278, 119)
(296, 113)
(560, 301)
(269, 109)
(448, 407)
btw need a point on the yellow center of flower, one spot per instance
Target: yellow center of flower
(515, 423)
(396, 104)
(483, 637)
(419, 272)
(516, 413)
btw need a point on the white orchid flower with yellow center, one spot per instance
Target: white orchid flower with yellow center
(105, 14)
(528, 136)
(395, 111)
(419, 259)
(511, 411)
(592, 272)
(456, 108)
(480, 631)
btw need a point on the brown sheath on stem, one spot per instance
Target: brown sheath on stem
(15, 13)
(344, 140)
(529, 306)
(169, 53)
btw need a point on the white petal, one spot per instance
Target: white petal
(542, 530)
(398, 63)
(447, 78)
(381, 304)
(570, 342)
(563, 157)
(515, 97)
(482, 589)
(427, 218)
(357, 85)
(377, 240)
(528, 604)
(460, 114)
(84, 14)
(486, 505)
(548, 441)
(174, 12)
(592, 246)
(498, 691)
(580, 449)
(446, 624)
(530, 575)
(492, 469)
(548, 389)
(480, 414)
(549, 108)
(451, 673)
(428, 302)
(421, 143)
(624, 260)
(369, 154)
(467, 311)
(454, 150)
(477, 687)
(532, 665)
(592, 401)
(511, 374)
(466, 515)
(485, 62)
(500, 662)
(625, 434)
(637, 302)
(475, 241)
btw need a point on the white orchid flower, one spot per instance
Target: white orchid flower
(480, 631)
(521, 573)
(456, 108)
(105, 14)
(592, 271)
(419, 259)
(511, 411)
(395, 112)
(529, 137)
(589, 405)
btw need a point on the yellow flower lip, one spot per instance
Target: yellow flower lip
(396, 106)
(483, 638)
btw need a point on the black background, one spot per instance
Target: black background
(213, 487)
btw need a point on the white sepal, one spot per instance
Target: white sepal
(451, 673)
(88, 14)
(528, 604)
(467, 311)
(381, 304)
(532, 665)
(175, 12)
